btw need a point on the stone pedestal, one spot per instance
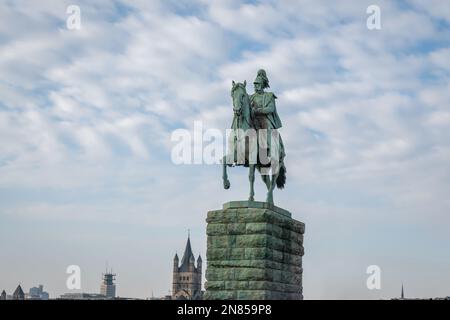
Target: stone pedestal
(254, 252)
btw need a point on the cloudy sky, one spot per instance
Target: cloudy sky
(86, 117)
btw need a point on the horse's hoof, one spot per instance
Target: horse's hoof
(226, 184)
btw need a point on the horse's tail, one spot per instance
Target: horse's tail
(281, 179)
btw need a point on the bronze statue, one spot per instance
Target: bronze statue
(255, 141)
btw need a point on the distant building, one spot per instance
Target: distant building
(403, 293)
(187, 279)
(107, 291)
(18, 294)
(402, 297)
(82, 296)
(38, 293)
(166, 297)
(107, 287)
(89, 296)
(3, 295)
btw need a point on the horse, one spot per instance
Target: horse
(251, 155)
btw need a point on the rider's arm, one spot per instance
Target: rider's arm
(269, 106)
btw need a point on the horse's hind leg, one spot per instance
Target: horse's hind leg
(226, 182)
(273, 183)
(251, 177)
(266, 179)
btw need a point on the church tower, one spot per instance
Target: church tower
(18, 293)
(187, 278)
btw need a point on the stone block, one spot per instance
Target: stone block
(254, 251)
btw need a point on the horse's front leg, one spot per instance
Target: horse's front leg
(226, 182)
(251, 177)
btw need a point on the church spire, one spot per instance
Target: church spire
(186, 256)
(187, 279)
(403, 293)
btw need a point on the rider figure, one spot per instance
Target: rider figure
(264, 113)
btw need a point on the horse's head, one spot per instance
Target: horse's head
(238, 94)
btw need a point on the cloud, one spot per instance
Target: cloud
(440, 58)
(86, 118)
(436, 9)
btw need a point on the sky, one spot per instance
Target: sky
(86, 118)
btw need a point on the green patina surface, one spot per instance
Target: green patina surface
(254, 251)
(257, 205)
(256, 116)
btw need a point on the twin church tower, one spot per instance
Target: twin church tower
(187, 278)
